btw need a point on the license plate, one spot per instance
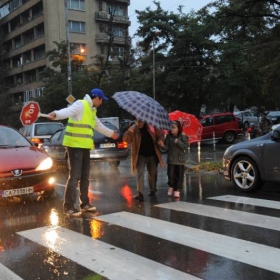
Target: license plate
(108, 145)
(14, 192)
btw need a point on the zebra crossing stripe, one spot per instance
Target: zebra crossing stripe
(102, 258)
(248, 201)
(247, 252)
(7, 274)
(241, 217)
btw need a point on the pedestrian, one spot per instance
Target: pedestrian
(144, 153)
(265, 124)
(176, 145)
(78, 140)
(254, 131)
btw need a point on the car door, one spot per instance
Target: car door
(271, 159)
(221, 124)
(55, 148)
(208, 127)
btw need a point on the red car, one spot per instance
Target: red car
(225, 126)
(24, 168)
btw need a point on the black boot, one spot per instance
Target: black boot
(140, 196)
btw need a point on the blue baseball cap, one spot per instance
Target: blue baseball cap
(96, 92)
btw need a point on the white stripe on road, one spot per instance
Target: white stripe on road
(100, 257)
(241, 217)
(249, 201)
(90, 191)
(7, 274)
(251, 253)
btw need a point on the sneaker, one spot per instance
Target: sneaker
(88, 208)
(73, 213)
(170, 191)
(176, 194)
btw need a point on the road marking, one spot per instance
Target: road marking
(251, 253)
(107, 260)
(90, 191)
(248, 201)
(240, 217)
(7, 274)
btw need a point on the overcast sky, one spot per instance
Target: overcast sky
(166, 5)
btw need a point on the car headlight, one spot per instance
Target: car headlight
(45, 164)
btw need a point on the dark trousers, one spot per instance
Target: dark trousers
(151, 163)
(175, 173)
(79, 167)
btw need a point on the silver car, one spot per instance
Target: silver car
(106, 149)
(249, 164)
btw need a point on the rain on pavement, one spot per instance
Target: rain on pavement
(212, 232)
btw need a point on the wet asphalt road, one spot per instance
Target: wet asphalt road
(229, 237)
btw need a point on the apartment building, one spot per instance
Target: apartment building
(29, 28)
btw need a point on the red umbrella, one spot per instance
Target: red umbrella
(190, 124)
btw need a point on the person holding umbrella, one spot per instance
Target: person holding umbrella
(78, 140)
(144, 153)
(176, 143)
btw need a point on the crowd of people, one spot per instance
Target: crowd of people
(145, 153)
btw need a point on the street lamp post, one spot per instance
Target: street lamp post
(154, 72)
(69, 72)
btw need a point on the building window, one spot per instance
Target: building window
(76, 4)
(14, 4)
(117, 51)
(118, 32)
(78, 48)
(100, 6)
(102, 51)
(77, 26)
(115, 10)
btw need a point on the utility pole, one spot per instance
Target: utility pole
(69, 72)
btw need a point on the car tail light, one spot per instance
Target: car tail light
(122, 145)
(35, 140)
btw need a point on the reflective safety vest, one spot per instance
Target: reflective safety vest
(79, 134)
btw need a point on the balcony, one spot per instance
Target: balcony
(120, 1)
(104, 38)
(104, 16)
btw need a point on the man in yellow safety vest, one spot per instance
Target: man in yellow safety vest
(78, 139)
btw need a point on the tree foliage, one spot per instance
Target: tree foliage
(224, 55)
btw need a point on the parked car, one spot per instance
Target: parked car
(225, 126)
(247, 118)
(274, 116)
(24, 168)
(249, 164)
(38, 132)
(106, 149)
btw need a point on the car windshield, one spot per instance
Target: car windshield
(46, 129)
(11, 138)
(274, 114)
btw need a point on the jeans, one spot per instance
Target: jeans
(79, 167)
(152, 163)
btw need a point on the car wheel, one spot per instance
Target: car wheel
(114, 163)
(245, 175)
(229, 137)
